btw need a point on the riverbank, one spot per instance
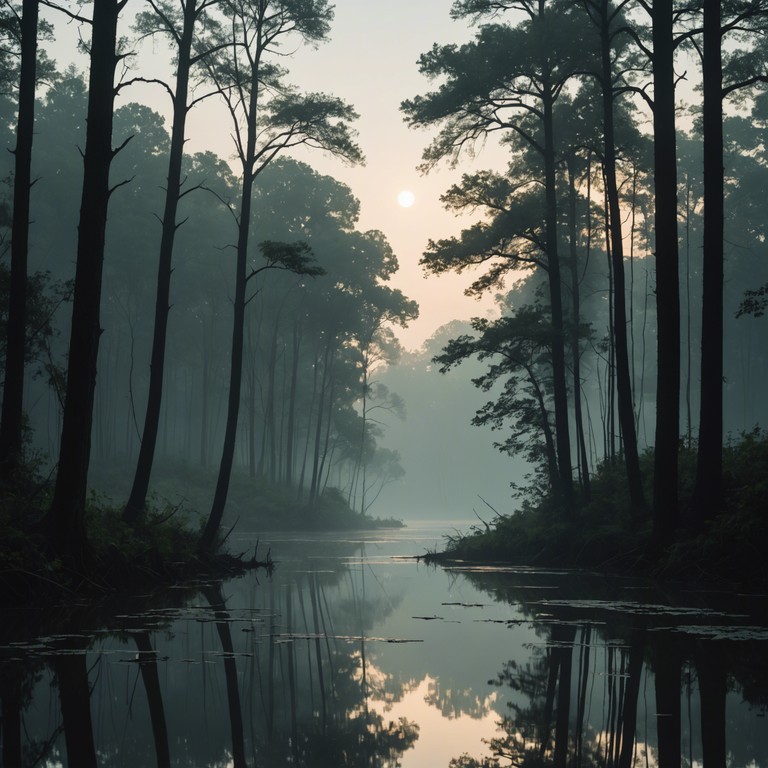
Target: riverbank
(602, 534)
(163, 548)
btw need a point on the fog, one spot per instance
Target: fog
(305, 307)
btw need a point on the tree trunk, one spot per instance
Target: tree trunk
(665, 491)
(562, 433)
(708, 490)
(623, 381)
(290, 437)
(210, 532)
(138, 496)
(315, 482)
(66, 515)
(583, 462)
(11, 427)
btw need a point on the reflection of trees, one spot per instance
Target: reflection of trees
(552, 728)
(454, 702)
(217, 602)
(312, 685)
(75, 697)
(579, 697)
(148, 666)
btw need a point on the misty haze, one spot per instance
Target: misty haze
(383, 384)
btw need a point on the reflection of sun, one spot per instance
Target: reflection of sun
(441, 737)
(406, 199)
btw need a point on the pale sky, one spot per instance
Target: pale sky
(371, 62)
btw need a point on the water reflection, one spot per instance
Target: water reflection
(618, 682)
(349, 656)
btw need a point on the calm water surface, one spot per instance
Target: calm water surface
(353, 654)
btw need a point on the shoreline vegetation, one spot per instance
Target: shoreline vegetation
(728, 550)
(163, 548)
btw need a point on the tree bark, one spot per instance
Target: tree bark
(562, 432)
(583, 462)
(210, 532)
(665, 490)
(12, 424)
(138, 495)
(66, 513)
(290, 437)
(708, 490)
(623, 381)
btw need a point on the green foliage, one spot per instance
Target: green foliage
(163, 540)
(731, 545)
(604, 535)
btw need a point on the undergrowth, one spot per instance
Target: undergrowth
(602, 534)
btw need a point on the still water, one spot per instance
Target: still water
(354, 654)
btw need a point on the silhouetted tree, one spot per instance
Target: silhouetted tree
(606, 20)
(745, 70)
(509, 79)
(264, 126)
(181, 26)
(65, 516)
(12, 420)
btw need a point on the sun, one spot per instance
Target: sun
(406, 199)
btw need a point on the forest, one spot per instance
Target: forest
(219, 329)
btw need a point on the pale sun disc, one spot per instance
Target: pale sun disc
(406, 199)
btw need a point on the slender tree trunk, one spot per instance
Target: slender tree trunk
(315, 482)
(290, 437)
(623, 381)
(66, 515)
(688, 366)
(205, 381)
(138, 495)
(549, 440)
(210, 532)
(610, 374)
(303, 473)
(575, 342)
(270, 427)
(11, 426)
(708, 490)
(251, 399)
(562, 434)
(665, 479)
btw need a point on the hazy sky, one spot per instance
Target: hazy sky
(371, 62)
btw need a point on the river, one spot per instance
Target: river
(354, 654)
